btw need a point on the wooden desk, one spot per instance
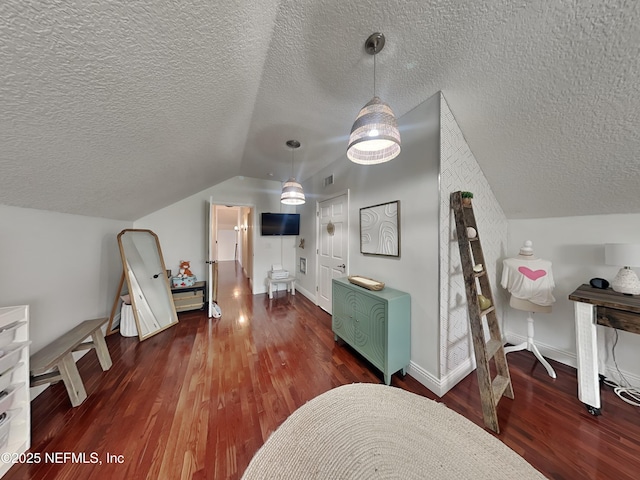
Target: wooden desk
(595, 306)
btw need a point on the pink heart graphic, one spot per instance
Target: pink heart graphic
(531, 274)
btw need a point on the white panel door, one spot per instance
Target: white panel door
(333, 246)
(212, 256)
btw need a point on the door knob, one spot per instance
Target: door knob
(342, 266)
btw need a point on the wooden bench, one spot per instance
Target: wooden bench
(59, 356)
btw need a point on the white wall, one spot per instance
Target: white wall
(460, 171)
(65, 267)
(575, 246)
(227, 244)
(182, 227)
(411, 178)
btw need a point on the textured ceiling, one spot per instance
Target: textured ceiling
(117, 108)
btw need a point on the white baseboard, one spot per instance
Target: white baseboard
(612, 373)
(258, 290)
(311, 297)
(303, 291)
(454, 376)
(570, 359)
(443, 385)
(547, 351)
(425, 378)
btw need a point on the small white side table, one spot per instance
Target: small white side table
(289, 281)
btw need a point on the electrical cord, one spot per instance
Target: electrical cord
(623, 389)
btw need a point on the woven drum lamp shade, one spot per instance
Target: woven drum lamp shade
(374, 136)
(292, 193)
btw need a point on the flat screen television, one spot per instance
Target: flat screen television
(280, 224)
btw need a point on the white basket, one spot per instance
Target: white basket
(127, 322)
(10, 355)
(5, 377)
(8, 333)
(5, 427)
(7, 400)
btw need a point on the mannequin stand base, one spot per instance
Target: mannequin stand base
(531, 347)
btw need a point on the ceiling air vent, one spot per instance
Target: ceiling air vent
(328, 181)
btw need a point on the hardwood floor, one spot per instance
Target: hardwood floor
(197, 400)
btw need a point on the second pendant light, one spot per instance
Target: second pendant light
(292, 193)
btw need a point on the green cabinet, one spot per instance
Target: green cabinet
(376, 324)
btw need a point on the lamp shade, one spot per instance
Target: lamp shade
(292, 193)
(622, 254)
(374, 136)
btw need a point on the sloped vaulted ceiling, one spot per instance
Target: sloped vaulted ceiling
(117, 108)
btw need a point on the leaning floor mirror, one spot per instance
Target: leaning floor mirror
(147, 282)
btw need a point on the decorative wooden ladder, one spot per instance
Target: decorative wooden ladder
(491, 390)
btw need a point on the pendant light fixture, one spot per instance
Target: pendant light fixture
(374, 136)
(292, 193)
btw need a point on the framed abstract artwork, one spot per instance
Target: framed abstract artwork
(380, 229)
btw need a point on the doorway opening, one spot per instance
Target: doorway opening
(230, 242)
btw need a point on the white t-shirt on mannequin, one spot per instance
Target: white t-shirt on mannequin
(528, 278)
(530, 282)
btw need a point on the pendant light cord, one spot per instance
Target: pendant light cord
(374, 72)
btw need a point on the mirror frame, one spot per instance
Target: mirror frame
(380, 229)
(165, 283)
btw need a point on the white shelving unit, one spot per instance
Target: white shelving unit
(15, 428)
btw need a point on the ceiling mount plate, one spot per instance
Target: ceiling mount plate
(374, 44)
(293, 144)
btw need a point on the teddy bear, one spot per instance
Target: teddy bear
(184, 269)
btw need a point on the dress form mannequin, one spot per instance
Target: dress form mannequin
(532, 269)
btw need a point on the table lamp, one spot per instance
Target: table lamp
(626, 280)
